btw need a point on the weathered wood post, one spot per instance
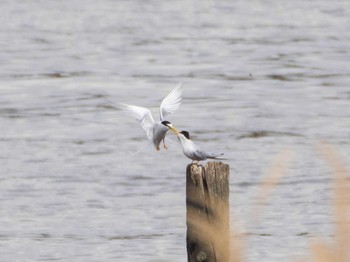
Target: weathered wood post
(207, 219)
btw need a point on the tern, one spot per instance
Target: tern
(156, 131)
(191, 150)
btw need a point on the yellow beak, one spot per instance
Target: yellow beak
(174, 130)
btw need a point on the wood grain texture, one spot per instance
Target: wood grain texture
(207, 219)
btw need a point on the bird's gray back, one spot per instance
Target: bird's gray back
(195, 153)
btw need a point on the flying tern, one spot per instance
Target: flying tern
(156, 131)
(191, 150)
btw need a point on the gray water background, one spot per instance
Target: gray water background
(258, 77)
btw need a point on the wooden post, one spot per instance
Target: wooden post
(207, 220)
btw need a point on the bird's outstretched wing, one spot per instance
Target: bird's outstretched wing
(141, 114)
(171, 102)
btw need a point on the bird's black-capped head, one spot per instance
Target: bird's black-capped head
(167, 123)
(186, 134)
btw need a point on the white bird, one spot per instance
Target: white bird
(191, 150)
(156, 131)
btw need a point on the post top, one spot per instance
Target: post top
(211, 164)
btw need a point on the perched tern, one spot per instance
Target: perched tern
(156, 131)
(191, 150)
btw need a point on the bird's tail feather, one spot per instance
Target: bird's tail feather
(144, 147)
(147, 145)
(217, 156)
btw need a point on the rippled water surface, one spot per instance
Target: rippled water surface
(78, 181)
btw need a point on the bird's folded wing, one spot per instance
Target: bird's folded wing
(171, 102)
(141, 114)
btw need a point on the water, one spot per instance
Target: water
(258, 77)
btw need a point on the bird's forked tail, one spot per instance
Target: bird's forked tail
(217, 156)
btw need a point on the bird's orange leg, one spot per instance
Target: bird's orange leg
(164, 144)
